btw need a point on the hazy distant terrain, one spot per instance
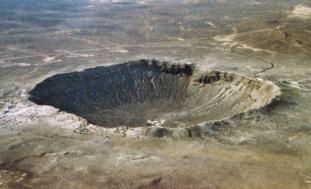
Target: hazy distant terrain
(42, 147)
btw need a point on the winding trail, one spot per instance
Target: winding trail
(255, 75)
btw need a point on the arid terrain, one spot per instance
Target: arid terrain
(201, 94)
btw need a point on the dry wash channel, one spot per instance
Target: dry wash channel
(132, 93)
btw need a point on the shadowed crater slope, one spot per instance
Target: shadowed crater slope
(132, 93)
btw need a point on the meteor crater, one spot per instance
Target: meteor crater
(133, 93)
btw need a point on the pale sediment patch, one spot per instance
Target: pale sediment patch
(179, 38)
(227, 40)
(21, 64)
(254, 2)
(48, 59)
(78, 55)
(244, 46)
(301, 11)
(239, 40)
(210, 24)
(186, 2)
(118, 50)
(135, 158)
